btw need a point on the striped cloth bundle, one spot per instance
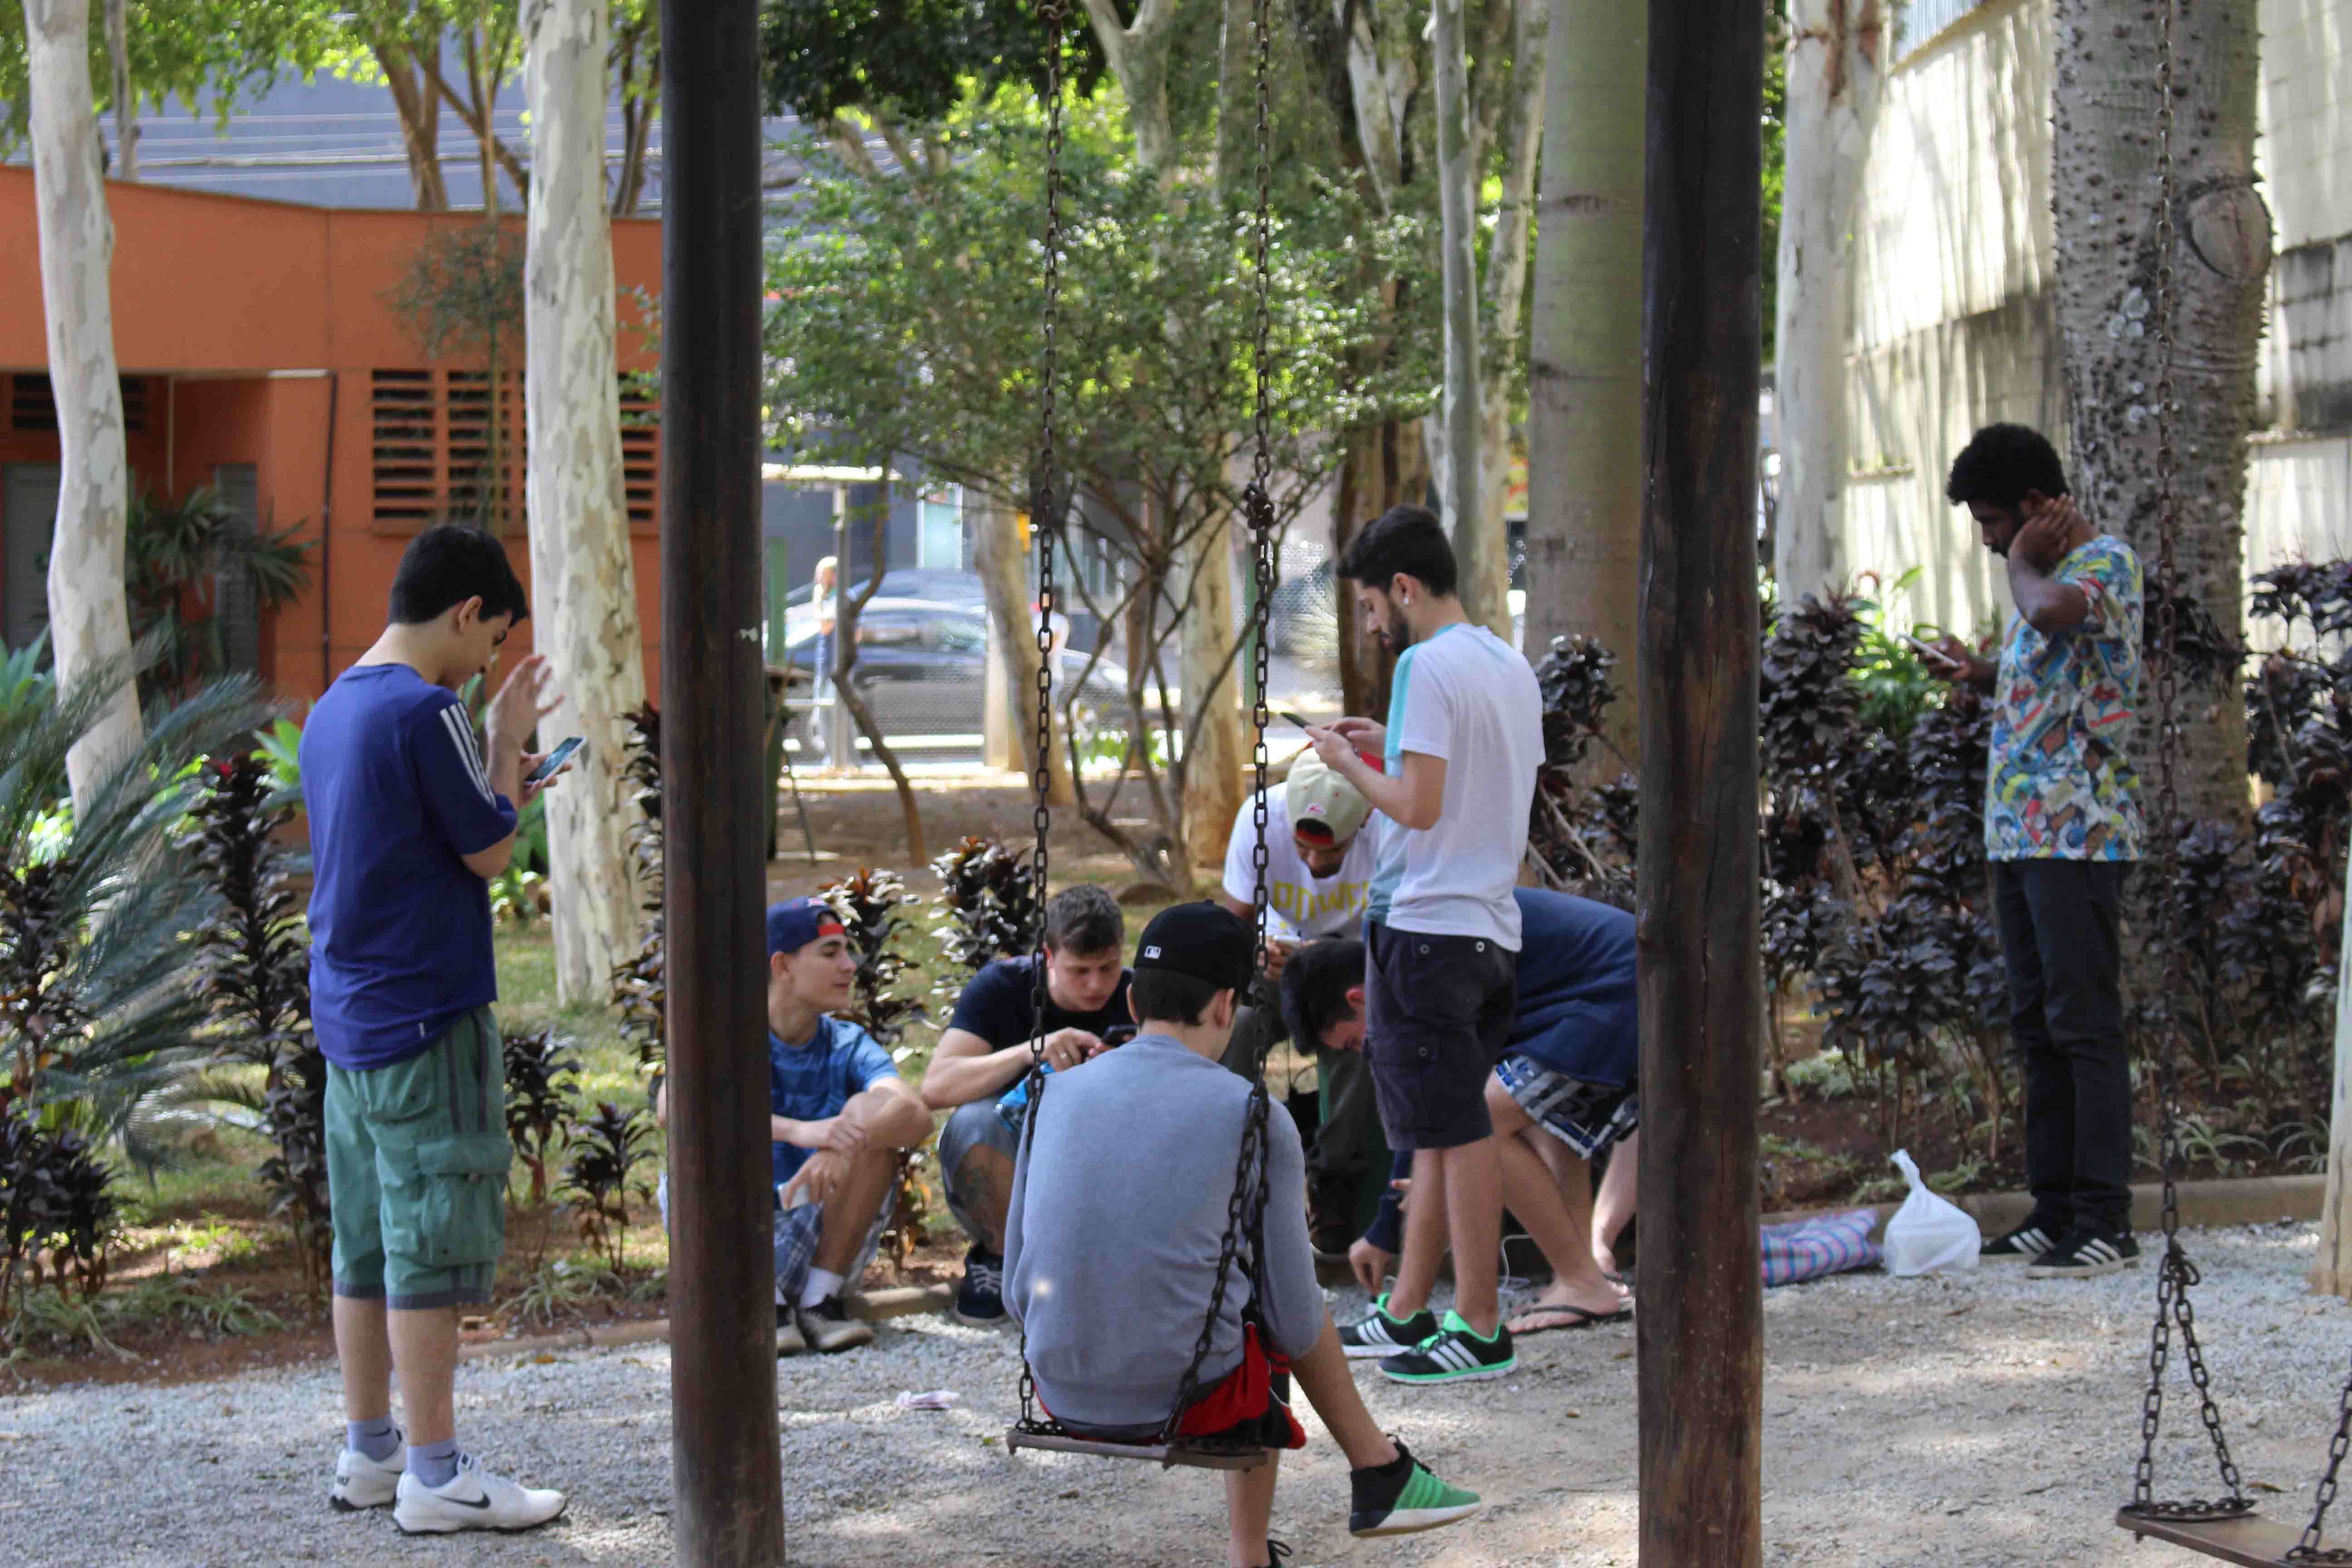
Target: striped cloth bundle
(1825, 1244)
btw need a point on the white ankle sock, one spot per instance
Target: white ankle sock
(821, 1282)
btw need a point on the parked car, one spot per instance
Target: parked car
(922, 665)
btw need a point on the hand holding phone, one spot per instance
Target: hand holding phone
(555, 760)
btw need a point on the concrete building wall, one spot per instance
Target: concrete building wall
(1953, 320)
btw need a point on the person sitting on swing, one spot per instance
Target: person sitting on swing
(1119, 1216)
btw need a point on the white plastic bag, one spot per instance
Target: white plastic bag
(1927, 1234)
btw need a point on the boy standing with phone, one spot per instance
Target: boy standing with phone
(1463, 740)
(410, 817)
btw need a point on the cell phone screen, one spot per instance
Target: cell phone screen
(1287, 717)
(555, 759)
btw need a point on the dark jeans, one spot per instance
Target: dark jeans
(2059, 938)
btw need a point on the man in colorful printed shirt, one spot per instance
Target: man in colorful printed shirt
(2063, 829)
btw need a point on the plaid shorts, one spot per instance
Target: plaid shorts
(1586, 1116)
(798, 1232)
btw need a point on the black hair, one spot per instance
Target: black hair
(1164, 996)
(447, 565)
(1403, 539)
(1085, 919)
(2000, 463)
(1315, 985)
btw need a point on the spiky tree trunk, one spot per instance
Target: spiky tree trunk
(1835, 49)
(1584, 386)
(582, 567)
(2106, 191)
(89, 619)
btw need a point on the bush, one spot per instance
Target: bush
(542, 1076)
(253, 977)
(988, 904)
(606, 1150)
(638, 993)
(58, 1210)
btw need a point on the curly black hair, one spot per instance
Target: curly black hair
(2000, 464)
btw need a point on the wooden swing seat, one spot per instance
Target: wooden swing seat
(2252, 1542)
(1198, 1455)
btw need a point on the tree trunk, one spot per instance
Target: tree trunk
(1137, 57)
(1456, 454)
(90, 620)
(409, 79)
(2331, 1270)
(1506, 281)
(1584, 386)
(1213, 786)
(1835, 47)
(1013, 626)
(582, 571)
(2107, 197)
(126, 107)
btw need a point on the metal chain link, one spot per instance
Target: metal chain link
(1245, 1209)
(2177, 1274)
(1043, 512)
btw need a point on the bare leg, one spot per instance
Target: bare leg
(985, 1187)
(1324, 1378)
(1425, 1237)
(1473, 1213)
(1249, 1512)
(425, 1349)
(1557, 1215)
(849, 1214)
(1615, 1204)
(363, 1349)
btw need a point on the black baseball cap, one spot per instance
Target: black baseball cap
(1205, 940)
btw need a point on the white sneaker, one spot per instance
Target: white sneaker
(362, 1483)
(474, 1499)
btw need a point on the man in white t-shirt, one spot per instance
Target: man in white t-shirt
(1322, 845)
(1463, 740)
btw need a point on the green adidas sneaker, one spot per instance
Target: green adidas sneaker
(1402, 1497)
(1455, 1354)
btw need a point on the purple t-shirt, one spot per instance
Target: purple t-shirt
(398, 794)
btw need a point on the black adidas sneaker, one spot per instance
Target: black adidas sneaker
(1379, 1336)
(2085, 1253)
(2028, 1242)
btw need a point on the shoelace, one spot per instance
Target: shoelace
(986, 1277)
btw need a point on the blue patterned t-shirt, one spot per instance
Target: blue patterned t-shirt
(2059, 785)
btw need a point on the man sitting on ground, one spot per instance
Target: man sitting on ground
(984, 1053)
(1322, 845)
(1562, 1093)
(839, 1115)
(1119, 1205)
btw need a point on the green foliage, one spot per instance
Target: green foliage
(988, 905)
(557, 1291)
(868, 903)
(253, 978)
(541, 1075)
(515, 891)
(280, 748)
(173, 554)
(910, 60)
(606, 1150)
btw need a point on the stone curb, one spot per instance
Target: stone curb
(2248, 1200)
(873, 1307)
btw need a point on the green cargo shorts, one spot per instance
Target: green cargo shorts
(416, 1171)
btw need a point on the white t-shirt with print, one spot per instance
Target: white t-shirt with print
(1466, 696)
(1301, 906)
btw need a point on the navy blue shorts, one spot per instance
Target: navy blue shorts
(1437, 1018)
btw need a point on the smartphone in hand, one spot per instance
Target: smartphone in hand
(554, 761)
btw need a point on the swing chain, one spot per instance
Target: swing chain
(2308, 1549)
(1042, 513)
(1245, 1209)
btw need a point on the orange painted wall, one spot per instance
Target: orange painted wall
(220, 292)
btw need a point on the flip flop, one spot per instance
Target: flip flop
(1580, 1319)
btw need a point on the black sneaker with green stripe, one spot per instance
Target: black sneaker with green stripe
(1382, 1335)
(1402, 1497)
(1455, 1354)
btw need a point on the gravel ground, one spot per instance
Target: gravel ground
(1978, 1420)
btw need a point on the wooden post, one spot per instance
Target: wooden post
(2331, 1274)
(1700, 1329)
(727, 1459)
